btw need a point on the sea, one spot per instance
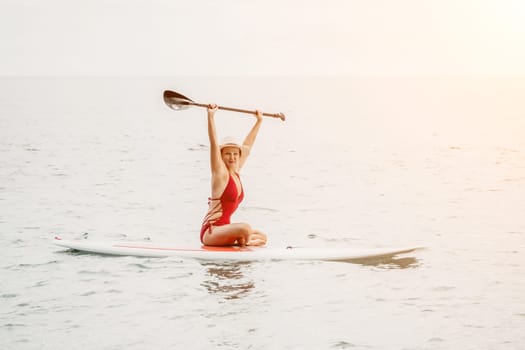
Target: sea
(360, 161)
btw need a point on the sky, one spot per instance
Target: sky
(261, 37)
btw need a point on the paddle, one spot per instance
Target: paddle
(178, 102)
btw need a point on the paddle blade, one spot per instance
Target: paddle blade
(176, 101)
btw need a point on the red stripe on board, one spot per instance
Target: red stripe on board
(202, 249)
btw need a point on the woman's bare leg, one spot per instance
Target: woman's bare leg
(227, 235)
(234, 234)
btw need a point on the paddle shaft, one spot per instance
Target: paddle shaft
(277, 115)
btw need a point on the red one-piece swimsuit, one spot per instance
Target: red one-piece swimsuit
(226, 205)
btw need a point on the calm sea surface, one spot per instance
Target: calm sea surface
(360, 162)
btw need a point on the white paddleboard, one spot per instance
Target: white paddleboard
(144, 249)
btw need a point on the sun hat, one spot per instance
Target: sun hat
(230, 141)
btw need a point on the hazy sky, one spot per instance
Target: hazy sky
(261, 37)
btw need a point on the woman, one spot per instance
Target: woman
(226, 161)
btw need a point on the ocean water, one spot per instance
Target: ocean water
(366, 162)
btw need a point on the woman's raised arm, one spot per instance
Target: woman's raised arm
(216, 162)
(249, 140)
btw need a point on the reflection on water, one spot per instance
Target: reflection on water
(227, 279)
(388, 262)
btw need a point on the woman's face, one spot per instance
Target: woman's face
(230, 156)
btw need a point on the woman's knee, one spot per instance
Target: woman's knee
(245, 229)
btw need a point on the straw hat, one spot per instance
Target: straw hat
(230, 141)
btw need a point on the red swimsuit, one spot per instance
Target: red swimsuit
(226, 205)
